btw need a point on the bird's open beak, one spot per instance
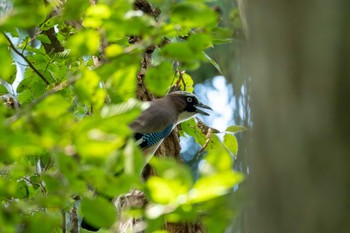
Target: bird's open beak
(200, 105)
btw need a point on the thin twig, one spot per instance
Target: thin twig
(40, 184)
(13, 47)
(205, 144)
(64, 223)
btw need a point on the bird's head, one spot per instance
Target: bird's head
(187, 105)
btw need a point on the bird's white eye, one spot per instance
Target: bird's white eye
(189, 99)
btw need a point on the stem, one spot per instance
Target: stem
(13, 47)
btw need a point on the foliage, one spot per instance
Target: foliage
(70, 132)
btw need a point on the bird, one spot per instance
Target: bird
(157, 121)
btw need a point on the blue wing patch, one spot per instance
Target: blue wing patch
(149, 139)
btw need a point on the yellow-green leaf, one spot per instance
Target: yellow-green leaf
(230, 142)
(218, 184)
(235, 128)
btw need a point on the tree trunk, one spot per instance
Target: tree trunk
(300, 67)
(169, 147)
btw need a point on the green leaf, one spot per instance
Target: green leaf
(3, 90)
(190, 127)
(172, 169)
(74, 9)
(112, 186)
(126, 107)
(213, 186)
(22, 190)
(158, 79)
(84, 43)
(120, 76)
(190, 14)
(44, 38)
(179, 51)
(53, 184)
(221, 35)
(216, 65)
(134, 159)
(88, 90)
(42, 222)
(114, 50)
(230, 142)
(95, 15)
(25, 97)
(52, 107)
(186, 84)
(97, 138)
(235, 128)
(5, 61)
(174, 182)
(34, 13)
(35, 181)
(98, 212)
(199, 42)
(163, 191)
(218, 159)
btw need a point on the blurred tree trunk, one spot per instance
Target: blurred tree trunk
(300, 69)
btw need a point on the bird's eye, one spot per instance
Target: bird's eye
(189, 99)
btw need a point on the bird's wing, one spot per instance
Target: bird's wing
(154, 119)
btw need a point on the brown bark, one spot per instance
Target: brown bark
(299, 62)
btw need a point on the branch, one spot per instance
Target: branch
(208, 132)
(55, 45)
(208, 135)
(13, 47)
(74, 220)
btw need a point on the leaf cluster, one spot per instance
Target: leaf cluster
(67, 134)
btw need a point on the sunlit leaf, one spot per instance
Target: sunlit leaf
(114, 50)
(218, 159)
(235, 128)
(95, 14)
(209, 187)
(5, 61)
(186, 84)
(174, 182)
(84, 43)
(53, 106)
(190, 127)
(88, 90)
(230, 142)
(171, 169)
(120, 77)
